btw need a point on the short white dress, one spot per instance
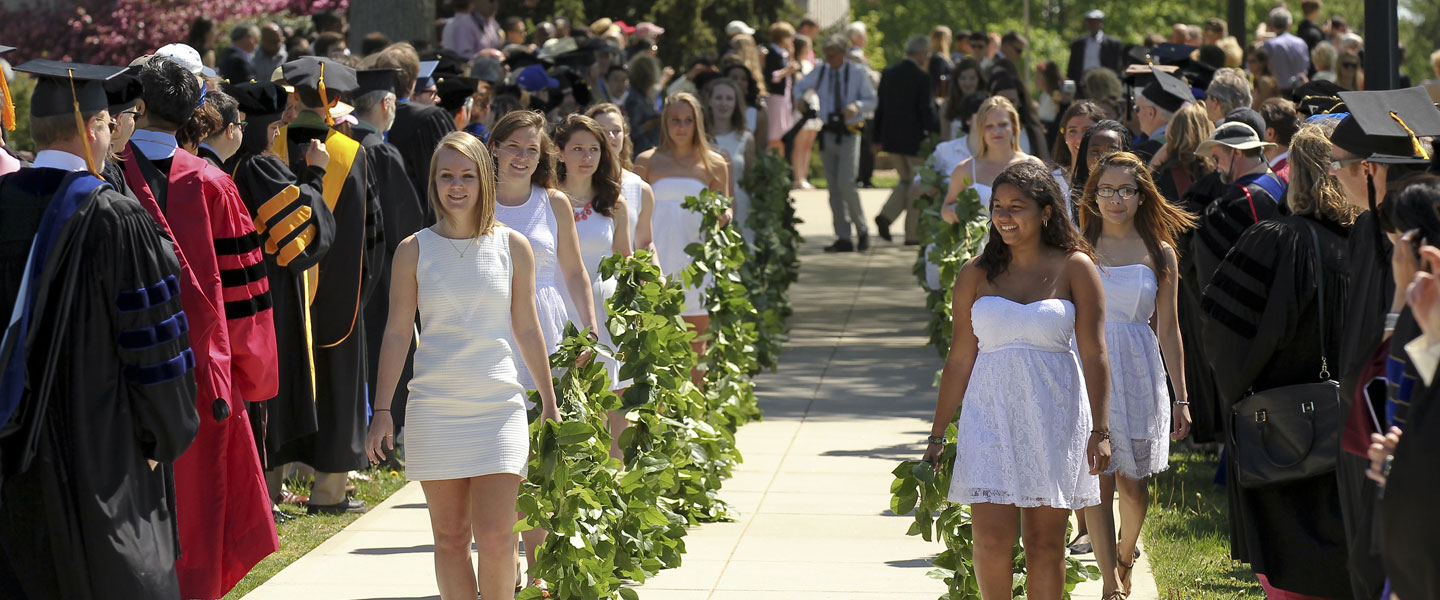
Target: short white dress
(536, 221)
(466, 415)
(1139, 397)
(1025, 421)
(597, 242)
(632, 189)
(676, 227)
(734, 145)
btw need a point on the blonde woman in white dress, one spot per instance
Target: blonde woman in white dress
(467, 440)
(639, 196)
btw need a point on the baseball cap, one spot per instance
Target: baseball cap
(187, 57)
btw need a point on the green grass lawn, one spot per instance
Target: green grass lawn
(1186, 534)
(303, 533)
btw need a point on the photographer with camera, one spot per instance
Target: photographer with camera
(846, 100)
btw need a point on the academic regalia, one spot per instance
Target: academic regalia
(96, 375)
(1262, 331)
(1409, 533)
(224, 508)
(345, 278)
(404, 215)
(1248, 200)
(416, 133)
(210, 156)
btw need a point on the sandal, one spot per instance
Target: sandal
(1115, 595)
(543, 587)
(1124, 576)
(1079, 547)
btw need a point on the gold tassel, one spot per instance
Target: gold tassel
(324, 99)
(1414, 141)
(80, 126)
(7, 105)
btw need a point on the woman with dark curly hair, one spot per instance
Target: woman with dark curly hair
(1029, 448)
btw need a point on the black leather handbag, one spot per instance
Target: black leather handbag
(1291, 432)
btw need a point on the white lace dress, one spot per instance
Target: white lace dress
(632, 189)
(536, 221)
(1139, 398)
(1025, 420)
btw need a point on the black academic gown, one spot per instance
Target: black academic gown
(1205, 407)
(1409, 533)
(404, 215)
(279, 201)
(1262, 331)
(1372, 287)
(347, 276)
(416, 133)
(110, 385)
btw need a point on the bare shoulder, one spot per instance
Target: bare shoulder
(1079, 260)
(558, 198)
(971, 274)
(408, 249)
(519, 246)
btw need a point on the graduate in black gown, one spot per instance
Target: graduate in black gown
(375, 105)
(290, 212)
(97, 395)
(418, 126)
(343, 282)
(1253, 194)
(1264, 330)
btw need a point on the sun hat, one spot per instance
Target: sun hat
(1236, 135)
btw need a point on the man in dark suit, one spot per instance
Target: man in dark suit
(1094, 49)
(236, 64)
(906, 112)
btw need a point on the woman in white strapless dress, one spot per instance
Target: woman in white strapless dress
(1133, 228)
(1033, 430)
(467, 440)
(639, 198)
(683, 165)
(590, 177)
(723, 101)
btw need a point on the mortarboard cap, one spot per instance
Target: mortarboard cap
(425, 78)
(453, 90)
(582, 58)
(328, 78)
(124, 90)
(520, 59)
(448, 62)
(1386, 126)
(7, 103)
(66, 88)
(1318, 97)
(376, 80)
(258, 99)
(1171, 54)
(1166, 92)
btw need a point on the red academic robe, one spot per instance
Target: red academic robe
(222, 506)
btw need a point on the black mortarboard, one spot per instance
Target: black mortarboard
(576, 59)
(376, 80)
(1199, 75)
(66, 88)
(7, 104)
(329, 78)
(519, 60)
(453, 90)
(124, 90)
(1137, 55)
(258, 99)
(448, 62)
(1318, 97)
(1166, 92)
(1171, 54)
(425, 78)
(1386, 126)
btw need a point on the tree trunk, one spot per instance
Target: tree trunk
(400, 20)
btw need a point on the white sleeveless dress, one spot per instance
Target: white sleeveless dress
(466, 415)
(597, 239)
(536, 222)
(674, 228)
(631, 189)
(1139, 398)
(1025, 420)
(734, 145)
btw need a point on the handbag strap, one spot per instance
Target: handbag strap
(1320, 298)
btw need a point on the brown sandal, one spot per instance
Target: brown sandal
(1124, 576)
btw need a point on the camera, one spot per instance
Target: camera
(835, 123)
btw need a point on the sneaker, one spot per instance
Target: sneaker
(350, 505)
(882, 227)
(841, 246)
(864, 243)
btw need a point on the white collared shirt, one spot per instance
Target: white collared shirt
(155, 145)
(1092, 51)
(59, 159)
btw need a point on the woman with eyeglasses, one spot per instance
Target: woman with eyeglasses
(1133, 231)
(225, 141)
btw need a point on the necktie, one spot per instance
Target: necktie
(839, 104)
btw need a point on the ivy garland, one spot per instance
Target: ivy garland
(774, 261)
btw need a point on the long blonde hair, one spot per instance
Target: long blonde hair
(471, 147)
(1313, 189)
(699, 142)
(978, 122)
(1188, 128)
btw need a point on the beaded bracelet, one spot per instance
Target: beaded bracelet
(1104, 435)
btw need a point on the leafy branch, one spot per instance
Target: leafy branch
(774, 261)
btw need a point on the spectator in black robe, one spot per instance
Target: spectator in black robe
(418, 127)
(1264, 329)
(87, 494)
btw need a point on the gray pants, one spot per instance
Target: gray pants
(903, 198)
(841, 158)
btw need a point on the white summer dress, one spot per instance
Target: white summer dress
(597, 239)
(466, 415)
(1139, 398)
(674, 228)
(536, 221)
(1024, 421)
(632, 189)
(734, 145)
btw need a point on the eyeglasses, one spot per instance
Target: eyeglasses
(1337, 164)
(1124, 192)
(1350, 65)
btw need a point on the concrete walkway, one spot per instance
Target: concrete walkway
(853, 398)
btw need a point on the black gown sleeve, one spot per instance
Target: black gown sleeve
(141, 276)
(374, 259)
(289, 212)
(1222, 224)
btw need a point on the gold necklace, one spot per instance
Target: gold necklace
(458, 251)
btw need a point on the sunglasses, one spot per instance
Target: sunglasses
(1350, 65)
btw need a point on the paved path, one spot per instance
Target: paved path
(852, 398)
